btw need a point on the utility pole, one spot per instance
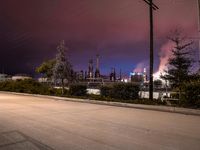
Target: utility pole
(152, 7)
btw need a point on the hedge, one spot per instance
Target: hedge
(78, 90)
(105, 91)
(25, 86)
(124, 91)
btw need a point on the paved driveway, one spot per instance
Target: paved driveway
(44, 124)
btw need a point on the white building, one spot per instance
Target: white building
(4, 77)
(43, 80)
(20, 77)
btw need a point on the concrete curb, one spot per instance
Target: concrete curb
(185, 111)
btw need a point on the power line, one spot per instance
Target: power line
(153, 5)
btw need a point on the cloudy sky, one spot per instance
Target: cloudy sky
(118, 30)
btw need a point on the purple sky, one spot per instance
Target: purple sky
(118, 30)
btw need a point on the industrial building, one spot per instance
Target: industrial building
(138, 77)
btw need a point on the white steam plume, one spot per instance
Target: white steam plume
(165, 54)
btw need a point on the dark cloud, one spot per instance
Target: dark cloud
(116, 29)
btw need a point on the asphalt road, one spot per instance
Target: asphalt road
(35, 123)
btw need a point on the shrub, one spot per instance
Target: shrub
(52, 91)
(191, 94)
(78, 90)
(127, 91)
(105, 91)
(59, 92)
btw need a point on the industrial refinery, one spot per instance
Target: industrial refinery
(93, 75)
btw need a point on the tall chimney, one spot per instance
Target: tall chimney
(90, 69)
(97, 65)
(120, 75)
(97, 71)
(113, 75)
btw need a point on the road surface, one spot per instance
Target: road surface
(35, 123)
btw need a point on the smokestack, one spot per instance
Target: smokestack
(113, 75)
(90, 69)
(97, 71)
(97, 61)
(86, 75)
(120, 75)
